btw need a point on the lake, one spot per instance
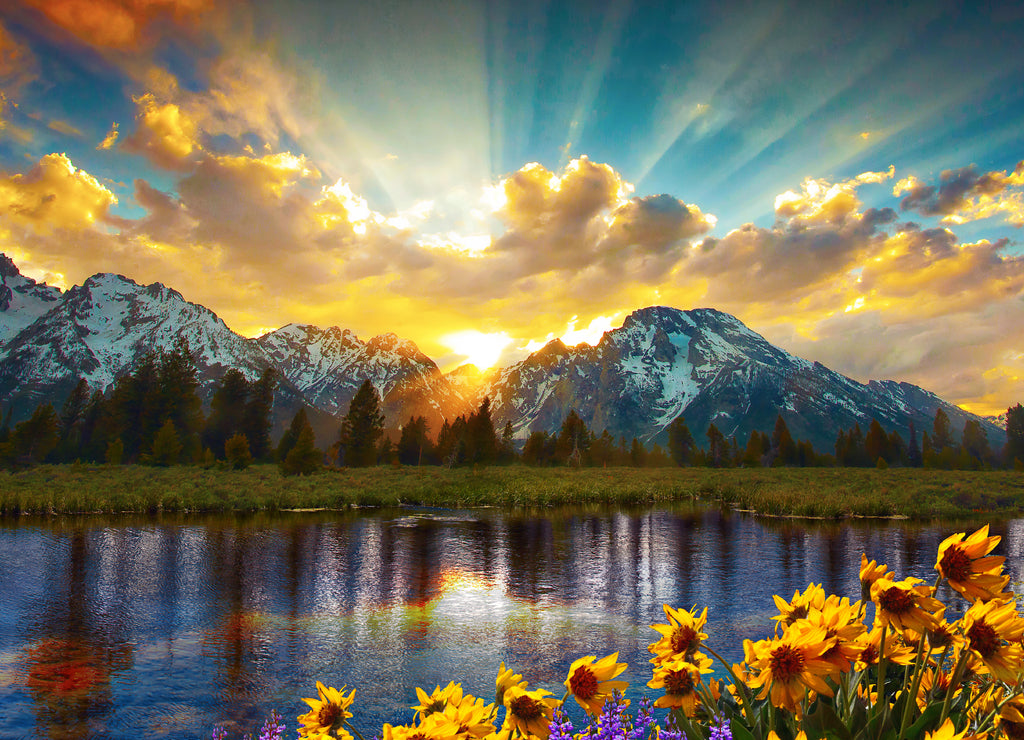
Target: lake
(164, 627)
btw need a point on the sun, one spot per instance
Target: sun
(479, 348)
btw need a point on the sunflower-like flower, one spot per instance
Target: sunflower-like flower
(1011, 718)
(591, 683)
(326, 715)
(946, 732)
(994, 630)
(680, 678)
(871, 571)
(964, 565)
(840, 620)
(465, 721)
(437, 699)
(800, 606)
(905, 604)
(506, 679)
(681, 637)
(896, 649)
(791, 664)
(528, 712)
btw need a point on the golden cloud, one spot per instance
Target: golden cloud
(164, 133)
(965, 195)
(110, 139)
(118, 24)
(54, 194)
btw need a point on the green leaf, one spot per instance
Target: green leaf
(929, 721)
(822, 721)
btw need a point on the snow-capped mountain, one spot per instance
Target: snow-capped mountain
(708, 367)
(100, 330)
(329, 365)
(22, 299)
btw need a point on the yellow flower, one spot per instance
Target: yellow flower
(528, 712)
(591, 683)
(869, 573)
(438, 699)
(896, 650)
(680, 679)
(946, 732)
(773, 735)
(990, 628)
(905, 604)
(840, 620)
(1011, 718)
(799, 606)
(326, 714)
(791, 664)
(934, 684)
(470, 719)
(681, 637)
(506, 679)
(964, 565)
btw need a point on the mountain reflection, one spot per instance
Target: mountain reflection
(113, 628)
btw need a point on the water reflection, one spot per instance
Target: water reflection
(167, 627)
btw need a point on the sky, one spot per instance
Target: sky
(482, 177)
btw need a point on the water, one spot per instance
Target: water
(166, 627)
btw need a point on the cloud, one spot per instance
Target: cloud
(110, 139)
(164, 133)
(964, 195)
(63, 127)
(18, 67)
(53, 195)
(120, 24)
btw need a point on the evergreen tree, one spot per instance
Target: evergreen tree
(717, 447)
(303, 458)
(480, 439)
(507, 447)
(133, 408)
(573, 442)
(33, 439)
(539, 448)
(166, 445)
(177, 398)
(783, 446)
(237, 452)
(291, 434)
(637, 454)
(1014, 435)
(256, 417)
(897, 449)
(114, 454)
(805, 454)
(975, 443)
(413, 445)
(386, 454)
(754, 451)
(362, 427)
(680, 442)
(602, 449)
(69, 443)
(942, 437)
(876, 443)
(227, 411)
(913, 451)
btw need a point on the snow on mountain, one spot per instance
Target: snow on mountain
(100, 329)
(329, 365)
(22, 299)
(708, 367)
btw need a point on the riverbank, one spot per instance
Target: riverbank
(803, 492)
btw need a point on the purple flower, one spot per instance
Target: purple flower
(561, 726)
(671, 731)
(721, 731)
(219, 733)
(273, 728)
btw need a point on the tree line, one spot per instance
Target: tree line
(153, 415)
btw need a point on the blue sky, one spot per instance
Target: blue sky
(482, 177)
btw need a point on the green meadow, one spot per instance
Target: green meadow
(802, 492)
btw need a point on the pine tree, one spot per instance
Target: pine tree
(602, 449)
(256, 416)
(539, 448)
(237, 452)
(413, 445)
(507, 447)
(680, 442)
(913, 451)
(754, 450)
(876, 443)
(783, 446)
(717, 447)
(166, 445)
(303, 458)
(637, 454)
(975, 442)
(227, 411)
(573, 443)
(362, 427)
(33, 439)
(177, 398)
(942, 437)
(480, 439)
(291, 434)
(69, 443)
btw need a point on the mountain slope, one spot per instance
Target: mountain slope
(710, 368)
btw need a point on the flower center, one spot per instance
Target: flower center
(869, 655)
(799, 612)
(955, 564)
(786, 663)
(895, 600)
(525, 708)
(583, 683)
(678, 682)
(329, 715)
(983, 639)
(1014, 730)
(684, 639)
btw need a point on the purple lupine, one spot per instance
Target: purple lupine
(721, 731)
(560, 725)
(644, 721)
(219, 733)
(671, 731)
(273, 728)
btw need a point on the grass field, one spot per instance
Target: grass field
(804, 492)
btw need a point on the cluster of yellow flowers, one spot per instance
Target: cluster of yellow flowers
(824, 673)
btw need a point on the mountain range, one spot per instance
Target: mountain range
(661, 363)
